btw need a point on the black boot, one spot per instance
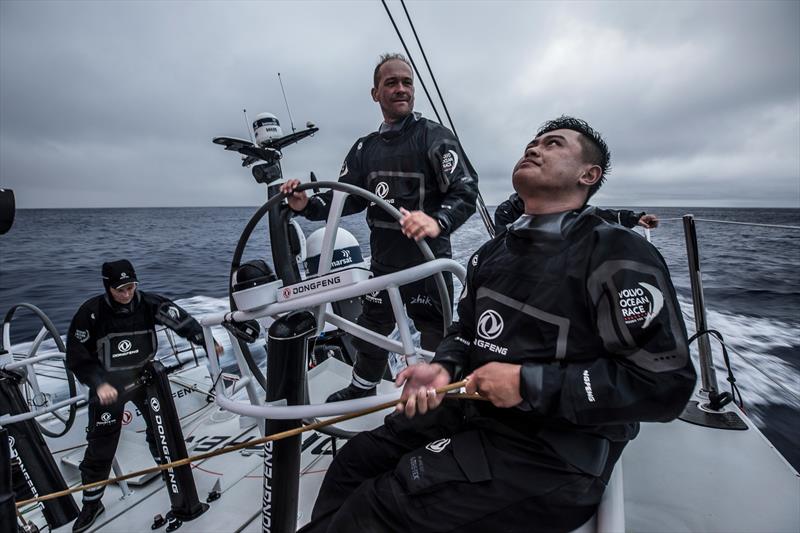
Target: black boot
(87, 516)
(351, 392)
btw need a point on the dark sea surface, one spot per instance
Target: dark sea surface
(51, 258)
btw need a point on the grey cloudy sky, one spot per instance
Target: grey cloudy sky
(115, 103)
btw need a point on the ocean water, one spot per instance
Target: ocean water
(51, 258)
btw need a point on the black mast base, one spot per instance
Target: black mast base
(694, 414)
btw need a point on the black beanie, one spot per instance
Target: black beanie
(118, 273)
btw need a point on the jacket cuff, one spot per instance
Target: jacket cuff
(95, 379)
(452, 368)
(444, 222)
(535, 381)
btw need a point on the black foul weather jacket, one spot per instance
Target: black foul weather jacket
(589, 311)
(110, 343)
(420, 167)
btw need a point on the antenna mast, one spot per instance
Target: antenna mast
(286, 102)
(248, 128)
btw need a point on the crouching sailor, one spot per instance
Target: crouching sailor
(549, 333)
(110, 340)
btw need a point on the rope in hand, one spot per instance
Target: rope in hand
(236, 447)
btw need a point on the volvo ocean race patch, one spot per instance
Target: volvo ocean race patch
(640, 304)
(82, 335)
(449, 162)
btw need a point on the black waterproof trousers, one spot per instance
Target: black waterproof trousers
(102, 436)
(446, 472)
(424, 308)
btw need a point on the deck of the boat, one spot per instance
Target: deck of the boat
(676, 477)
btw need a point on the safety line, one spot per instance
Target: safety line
(777, 226)
(236, 447)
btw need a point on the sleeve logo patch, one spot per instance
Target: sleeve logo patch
(438, 446)
(449, 162)
(82, 335)
(640, 304)
(343, 171)
(587, 386)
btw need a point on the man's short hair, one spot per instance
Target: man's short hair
(595, 149)
(376, 77)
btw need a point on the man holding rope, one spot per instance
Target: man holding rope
(418, 166)
(110, 340)
(570, 327)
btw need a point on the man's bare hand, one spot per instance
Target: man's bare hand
(497, 382)
(296, 200)
(420, 383)
(417, 225)
(107, 394)
(648, 221)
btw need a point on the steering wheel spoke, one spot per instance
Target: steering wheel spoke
(331, 230)
(61, 417)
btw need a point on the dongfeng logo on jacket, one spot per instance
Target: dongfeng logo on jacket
(382, 189)
(490, 326)
(106, 419)
(155, 405)
(640, 304)
(125, 347)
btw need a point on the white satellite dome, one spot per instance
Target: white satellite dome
(266, 126)
(346, 251)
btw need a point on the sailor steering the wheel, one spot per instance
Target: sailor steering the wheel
(418, 166)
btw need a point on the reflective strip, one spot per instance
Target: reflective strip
(91, 495)
(362, 383)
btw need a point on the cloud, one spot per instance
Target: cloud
(115, 104)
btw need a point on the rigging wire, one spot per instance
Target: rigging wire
(430, 70)
(411, 58)
(480, 204)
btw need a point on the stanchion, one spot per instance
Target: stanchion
(288, 348)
